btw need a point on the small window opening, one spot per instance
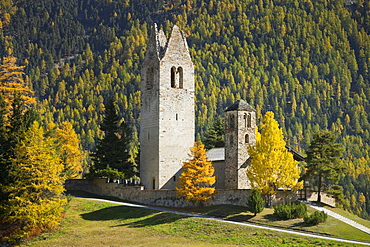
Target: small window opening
(232, 122)
(246, 138)
(177, 116)
(249, 121)
(153, 183)
(149, 78)
(174, 178)
(173, 77)
(181, 79)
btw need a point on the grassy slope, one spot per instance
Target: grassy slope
(332, 227)
(91, 223)
(350, 216)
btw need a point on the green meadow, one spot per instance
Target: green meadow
(94, 223)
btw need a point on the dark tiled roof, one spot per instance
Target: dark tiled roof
(240, 105)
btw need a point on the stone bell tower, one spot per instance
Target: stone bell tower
(167, 129)
(240, 131)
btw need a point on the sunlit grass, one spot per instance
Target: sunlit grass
(92, 223)
(332, 227)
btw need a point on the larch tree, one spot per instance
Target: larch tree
(323, 161)
(12, 83)
(196, 180)
(69, 148)
(272, 166)
(35, 201)
(13, 127)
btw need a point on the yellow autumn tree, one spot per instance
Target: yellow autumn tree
(35, 202)
(12, 83)
(197, 178)
(69, 150)
(273, 166)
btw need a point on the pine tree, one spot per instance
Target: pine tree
(255, 202)
(4, 148)
(197, 178)
(214, 138)
(272, 164)
(323, 163)
(35, 200)
(112, 150)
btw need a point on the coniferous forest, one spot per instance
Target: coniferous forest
(308, 61)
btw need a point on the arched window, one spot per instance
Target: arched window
(181, 79)
(173, 77)
(149, 78)
(245, 120)
(249, 121)
(246, 138)
(232, 122)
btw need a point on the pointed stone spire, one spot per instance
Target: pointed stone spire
(177, 47)
(162, 42)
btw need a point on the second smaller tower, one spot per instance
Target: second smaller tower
(240, 131)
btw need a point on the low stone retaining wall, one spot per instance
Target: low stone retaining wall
(325, 198)
(167, 197)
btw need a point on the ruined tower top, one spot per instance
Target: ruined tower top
(173, 48)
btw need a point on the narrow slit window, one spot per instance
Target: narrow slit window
(249, 121)
(246, 138)
(149, 78)
(181, 77)
(173, 77)
(232, 122)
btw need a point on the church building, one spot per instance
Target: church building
(167, 128)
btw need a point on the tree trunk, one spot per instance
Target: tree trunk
(319, 189)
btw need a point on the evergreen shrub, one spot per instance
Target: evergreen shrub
(291, 210)
(316, 218)
(255, 202)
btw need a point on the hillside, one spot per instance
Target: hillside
(130, 226)
(308, 61)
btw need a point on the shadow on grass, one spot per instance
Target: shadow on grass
(272, 217)
(132, 217)
(241, 218)
(221, 211)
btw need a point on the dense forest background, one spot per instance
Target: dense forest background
(308, 61)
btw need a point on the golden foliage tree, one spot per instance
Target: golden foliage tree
(273, 166)
(11, 82)
(197, 178)
(69, 150)
(35, 201)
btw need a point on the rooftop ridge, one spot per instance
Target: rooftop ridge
(240, 105)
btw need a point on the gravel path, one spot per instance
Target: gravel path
(339, 217)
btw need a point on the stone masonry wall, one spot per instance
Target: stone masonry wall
(166, 197)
